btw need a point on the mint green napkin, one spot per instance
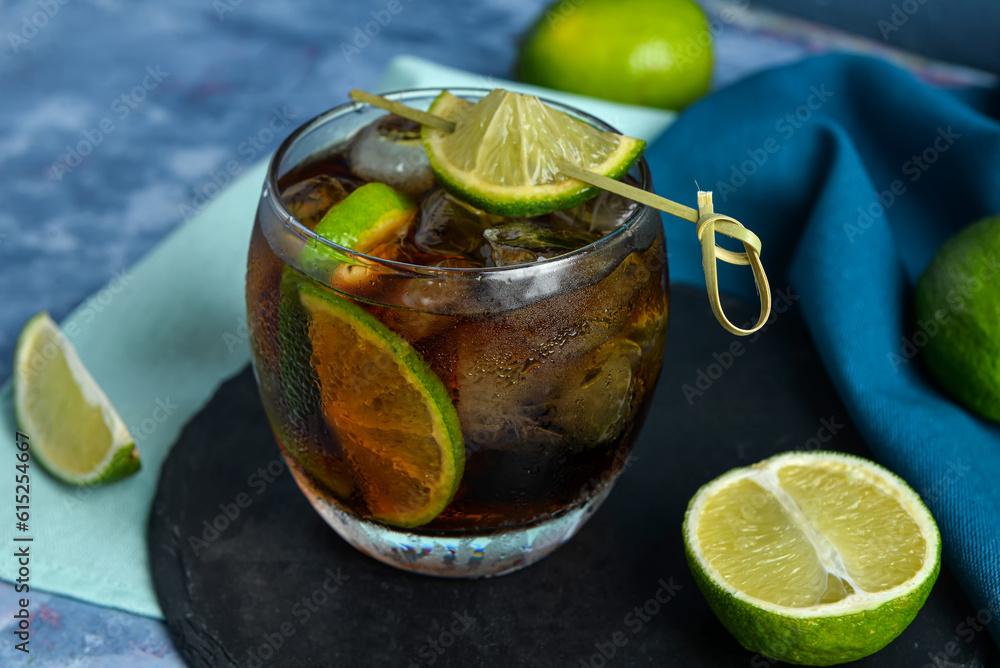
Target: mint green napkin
(172, 329)
(160, 339)
(411, 72)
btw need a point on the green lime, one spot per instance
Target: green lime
(367, 220)
(302, 421)
(812, 558)
(958, 308)
(656, 53)
(504, 154)
(389, 411)
(74, 431)
(371, 215)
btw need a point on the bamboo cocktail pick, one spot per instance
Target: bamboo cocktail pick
(706, 220)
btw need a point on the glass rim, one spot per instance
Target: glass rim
(295, 226)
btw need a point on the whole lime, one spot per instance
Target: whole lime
(656, 53)
(958, 307)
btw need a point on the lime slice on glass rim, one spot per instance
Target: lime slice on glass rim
(390, 412)
(504, 154)
(812, 557)
(74, 431)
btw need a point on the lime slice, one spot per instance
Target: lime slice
(371, 215)
(368, 218)
(74, 431)
(504, 154)
(302, 422)
(812, 557)
(391, 414)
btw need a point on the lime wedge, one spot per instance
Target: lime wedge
(74, 431)
(371, 215)
(367, 220)
(390, 413)
(504, 154)
(812, 558)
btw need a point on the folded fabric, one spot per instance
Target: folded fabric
(853, 174)
(406, 72)
(160, 338)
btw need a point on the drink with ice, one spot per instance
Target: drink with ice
(538, 340)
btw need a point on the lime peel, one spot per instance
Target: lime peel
(396, 362)
(371, 215)
(959, 293)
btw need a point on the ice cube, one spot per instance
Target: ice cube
(594, 406)
(433, 294)
(450, 227)
(524, 242)
(511, 393)
(580, 320)
(600, 214)
(309, 200)
(389, 150)
(499, 401)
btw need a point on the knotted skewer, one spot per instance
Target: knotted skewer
(707, 222)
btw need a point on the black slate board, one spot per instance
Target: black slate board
(239, 600)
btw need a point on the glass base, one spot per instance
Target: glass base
(466, 556)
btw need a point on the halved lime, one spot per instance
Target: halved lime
(74, 431)
(504, 154)
(812, 557)
(391, 414)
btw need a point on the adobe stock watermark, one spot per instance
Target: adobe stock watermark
(163, 408)
(362, 35)
(828, 428)
(229, 512)
(965, 632)
(634, 621)
(237, 338)
(122, 107)
(32, 23)
(223, 7)
(255, 144)
(953, 474)
(914, 169)
(435, 648)
(982, 275)
(899, 16)
(99, 301)
(786, 127)
(301, 612)
(86, 314)
(705, 377)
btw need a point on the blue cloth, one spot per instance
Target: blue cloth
(853, 174)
